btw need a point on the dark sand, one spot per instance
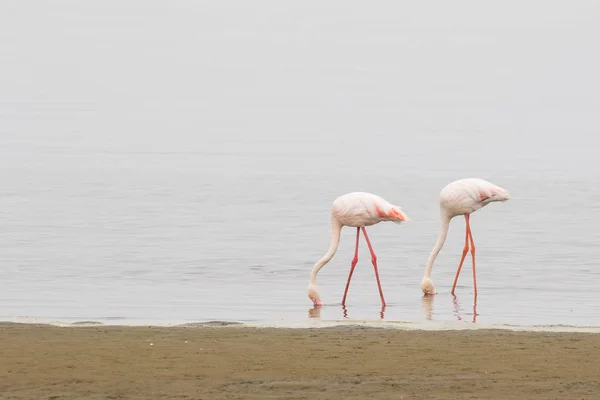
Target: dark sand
(45, 362)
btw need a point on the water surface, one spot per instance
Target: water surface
(173, 162)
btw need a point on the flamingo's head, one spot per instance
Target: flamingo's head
(313, 294)
(427, 286)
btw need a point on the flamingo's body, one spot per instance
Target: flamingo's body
(359, 210)
(461, 197)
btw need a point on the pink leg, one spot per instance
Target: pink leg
(464, 253)
(354, 261)
(473, 257)
(374, 261)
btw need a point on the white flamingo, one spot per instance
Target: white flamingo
(358, 210)
(461, 197)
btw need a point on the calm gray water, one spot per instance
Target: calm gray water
(170, 162)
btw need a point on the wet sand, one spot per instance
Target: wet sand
(46, 362)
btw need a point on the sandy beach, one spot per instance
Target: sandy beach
(232, 362)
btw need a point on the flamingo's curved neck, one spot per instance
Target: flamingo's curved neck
(438, 246)
(336, 229)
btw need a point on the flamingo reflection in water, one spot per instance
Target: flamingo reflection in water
(457, 311)
(381, 312)
(315, 312)
(427, 304)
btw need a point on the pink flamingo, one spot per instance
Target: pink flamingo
(461, 197)
(358, 210)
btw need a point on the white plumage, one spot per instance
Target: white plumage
(461, 197)
(357, 209)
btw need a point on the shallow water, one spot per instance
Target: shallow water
(167, 163)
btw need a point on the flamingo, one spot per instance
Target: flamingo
(359, 210)
(461, 197)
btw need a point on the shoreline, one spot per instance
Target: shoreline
(342, 362)
(315, 324)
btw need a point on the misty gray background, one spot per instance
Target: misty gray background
(172, 161)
